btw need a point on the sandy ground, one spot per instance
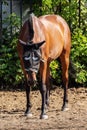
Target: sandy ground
(12, 107)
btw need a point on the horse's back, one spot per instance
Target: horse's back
(56, 22)
(58, 34)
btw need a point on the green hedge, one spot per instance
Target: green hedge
(79, 55)
(10, 69)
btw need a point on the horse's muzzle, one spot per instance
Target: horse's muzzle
(32, 83)
(32, 80)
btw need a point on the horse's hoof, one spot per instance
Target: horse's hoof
(44, 116)
(65, 109)
(28, 115)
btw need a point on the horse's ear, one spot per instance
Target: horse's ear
(33, 45)
(22, 42)
(38, 45)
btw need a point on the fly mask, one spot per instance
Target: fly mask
(31, 55)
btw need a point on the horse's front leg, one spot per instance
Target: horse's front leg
(48, 84)
(28, 104)
(43, 107)
(43, 90)
(47, 97)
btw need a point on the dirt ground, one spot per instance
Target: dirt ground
(12, 107)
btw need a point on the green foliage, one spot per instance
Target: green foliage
(10, 71)
(56, 71)
(79, 55)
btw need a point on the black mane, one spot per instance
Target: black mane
(30, 27)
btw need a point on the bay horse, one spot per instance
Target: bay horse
(42, 40)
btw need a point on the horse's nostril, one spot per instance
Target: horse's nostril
(35, 83)
(32, 82)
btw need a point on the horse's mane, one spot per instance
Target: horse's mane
(30, 26)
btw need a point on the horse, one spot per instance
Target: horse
(42, 40)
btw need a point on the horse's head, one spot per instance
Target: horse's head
(31, 56)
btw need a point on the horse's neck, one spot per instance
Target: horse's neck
(38, 30)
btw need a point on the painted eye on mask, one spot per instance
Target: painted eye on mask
(27, 56)
(35, 58)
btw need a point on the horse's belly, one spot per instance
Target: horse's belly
(56, 44)
(55, 52)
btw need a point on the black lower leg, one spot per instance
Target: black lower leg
(47, 97)
(43, 95)
(28, 105)
(65, 99)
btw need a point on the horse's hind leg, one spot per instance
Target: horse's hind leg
(64, 58)
(43, 89)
